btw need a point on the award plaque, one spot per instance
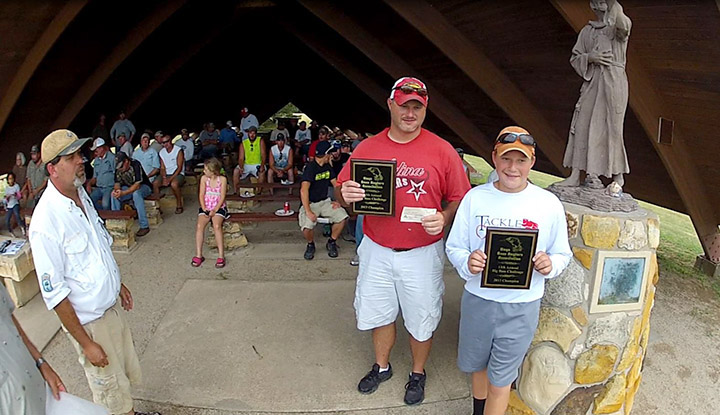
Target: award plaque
(377, 178)
(509, 257)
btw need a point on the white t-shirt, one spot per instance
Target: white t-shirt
(127, 148)
(281, 158)
(302, 135)
(188, 148)
(247, 122)
(72, 255)
(170, 160)
(532, 208)
(11, 195)
(277, 131)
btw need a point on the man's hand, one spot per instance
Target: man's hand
(166, 181)
(352, 192)
(433, 224)
(600, 58)
(116, 193)
(312, 216)
(126, 300)
(335, 205)
(476, 261)
(542, 263)
(95, 354)
(53, 380)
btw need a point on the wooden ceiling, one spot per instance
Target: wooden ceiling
(488, 64)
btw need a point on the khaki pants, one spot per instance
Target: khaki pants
(110, 385)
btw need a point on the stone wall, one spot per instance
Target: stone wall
(582, 362)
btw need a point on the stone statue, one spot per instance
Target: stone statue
(595, 143)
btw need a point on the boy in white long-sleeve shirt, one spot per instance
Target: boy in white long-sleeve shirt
(497, 324)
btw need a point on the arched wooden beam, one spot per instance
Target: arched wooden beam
(364, 83)
(478, 67)
(648, 105)
(51, 34)
(394, 65)
(135, 37)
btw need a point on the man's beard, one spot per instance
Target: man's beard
(79, 180)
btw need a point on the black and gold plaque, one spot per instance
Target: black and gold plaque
(509, 257)
(377, 178)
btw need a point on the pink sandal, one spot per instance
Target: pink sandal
(197, 261)
(220, 263)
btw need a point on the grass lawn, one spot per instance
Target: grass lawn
(679, 244)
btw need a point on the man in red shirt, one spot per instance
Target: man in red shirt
(406, 271)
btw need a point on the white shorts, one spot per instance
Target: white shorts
(249, 170)
(389, 281)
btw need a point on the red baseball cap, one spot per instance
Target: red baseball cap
(413, 89)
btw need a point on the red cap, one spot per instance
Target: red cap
(401, 97)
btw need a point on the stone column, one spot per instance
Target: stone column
(582, 362)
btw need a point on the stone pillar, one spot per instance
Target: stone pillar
(585, 358)
(154, 213)
(18, 272)
(122, 232)
(233, 236)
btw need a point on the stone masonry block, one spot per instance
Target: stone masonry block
(23, 291)
(17, 266)
(600, 231)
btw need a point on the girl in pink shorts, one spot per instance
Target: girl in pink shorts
(213, 188)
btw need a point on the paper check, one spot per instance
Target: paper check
(415, 214)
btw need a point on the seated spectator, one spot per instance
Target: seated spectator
(209, 139)
(213, 189)
(188, 146)
(148, 158)
(12, 204)
(316, 178)
(155, 144)
(247, 120)
(323, 135)
(20, 171)
(303, 139)
(281, 162)
(172, 173)
(228, 138)
(251, 159)
(125, 145)
(101, 185)
(279, 130)
(131, 183)
(469, 169)
(36, 177)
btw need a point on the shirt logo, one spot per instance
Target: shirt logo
(322, 176)
(486, 221)
(46, 284)
(416, 189)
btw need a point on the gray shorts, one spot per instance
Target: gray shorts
(495, 336)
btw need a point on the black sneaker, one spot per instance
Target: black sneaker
(332, 248)
(310, 251)
(415, 388)
(372, 380)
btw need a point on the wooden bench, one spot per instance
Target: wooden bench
(266, 198)
(262, 217)
(117, 214)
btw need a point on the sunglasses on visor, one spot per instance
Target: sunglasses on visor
(412, 89)
(508, 138)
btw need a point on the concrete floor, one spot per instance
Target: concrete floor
(196, 343)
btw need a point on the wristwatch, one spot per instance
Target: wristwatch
(40, 362)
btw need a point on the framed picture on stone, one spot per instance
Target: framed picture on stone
(620, 281)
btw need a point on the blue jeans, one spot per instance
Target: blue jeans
(104, 194)
(210, 150)
(138, 198)
(16, 211)
(359, 230)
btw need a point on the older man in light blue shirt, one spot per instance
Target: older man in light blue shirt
(148, 158)
(103, 175)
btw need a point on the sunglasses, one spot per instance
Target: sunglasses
(508, 138)
(412, 89)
